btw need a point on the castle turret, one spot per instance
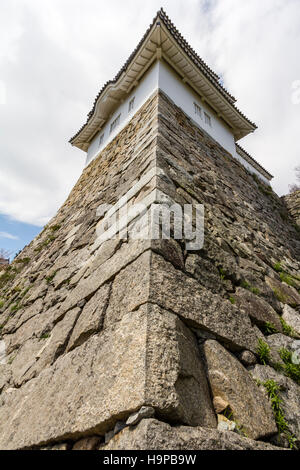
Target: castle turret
(152, 308)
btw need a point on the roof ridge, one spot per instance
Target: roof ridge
(205, 69)
(163, 15)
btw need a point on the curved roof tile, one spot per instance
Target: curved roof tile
(205, 69)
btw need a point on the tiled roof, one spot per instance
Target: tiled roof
(253, 162)
(193, 55)
(109, 82)
(202, 66)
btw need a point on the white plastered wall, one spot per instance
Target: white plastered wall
(161, 76)
(141, 93)
(184, 97)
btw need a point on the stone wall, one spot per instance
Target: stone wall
(140, 343)
(292, 202)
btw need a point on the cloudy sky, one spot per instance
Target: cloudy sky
(56, 54)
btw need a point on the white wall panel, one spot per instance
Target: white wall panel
(161, 76)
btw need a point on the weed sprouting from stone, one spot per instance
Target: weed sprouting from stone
(287, 329)
(263, 351)
(269, 328)
(54, 228)
(273, 390)
(277, 267)
(289, 368)
(252, 289)
(50, 278)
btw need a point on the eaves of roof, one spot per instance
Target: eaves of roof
(163, 40)
(253, 162)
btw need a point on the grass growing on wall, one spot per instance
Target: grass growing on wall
(273, 390)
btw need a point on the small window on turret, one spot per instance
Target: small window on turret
(198, 110)
(101, 139)
(131, 104)
(115, 123)
(207, 119)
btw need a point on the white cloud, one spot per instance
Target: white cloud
(256, 45)
(56, 54)
(8, 235)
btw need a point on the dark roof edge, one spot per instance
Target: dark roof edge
(212, 76)
(253, 162)
(110, 82)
